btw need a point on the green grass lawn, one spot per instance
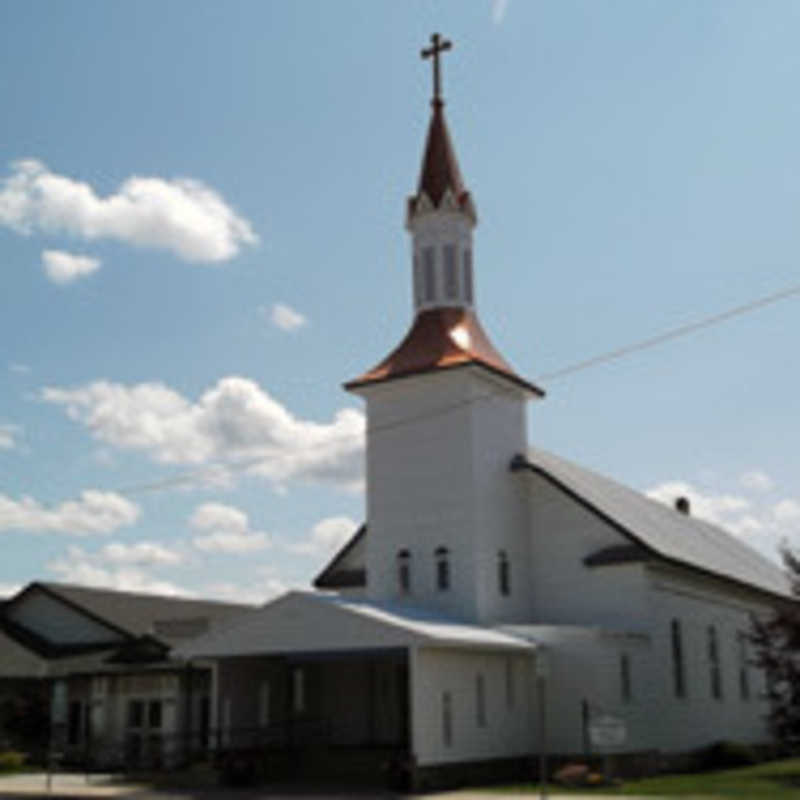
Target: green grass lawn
(776, 779)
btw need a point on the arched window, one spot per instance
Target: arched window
(442, 555)
(404, 571)
(503, 574)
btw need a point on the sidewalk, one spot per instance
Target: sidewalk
(75, 786)
(35, 784)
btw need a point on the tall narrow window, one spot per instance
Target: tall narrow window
(450, 276)
(442, 556)
(74, 719)
(417, 280)
(154, 714)
(714, 667)
(447, 719)
(744, 676)
(226, 721)
(678, 670)
(429, 275)
(510, 688)
(404, 571)
(503, 574)
(298, 690)
(467, 267)
(625, 677)
(480, 701)
(263, 704)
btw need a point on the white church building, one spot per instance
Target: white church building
(499, 600)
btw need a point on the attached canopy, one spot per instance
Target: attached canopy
(301, 622)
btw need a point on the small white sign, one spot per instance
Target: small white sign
(607, 731)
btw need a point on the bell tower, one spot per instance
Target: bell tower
(445, 415)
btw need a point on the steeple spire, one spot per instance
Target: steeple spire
(440, 218)
(440, 185)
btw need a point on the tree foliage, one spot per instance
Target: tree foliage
(777, 651)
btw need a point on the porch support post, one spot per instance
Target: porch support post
(213, 707)
(413, 716)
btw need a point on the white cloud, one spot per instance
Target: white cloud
(141, 553)
(326, 537)
(94, 512)
(286, 318)
(764, 526)
(235, 422)
(255, 592)
(182, 215)
(63, 268)
(787, 511)
(756, 480)
(89, 569)
(9, 590)
(8, 436)
(499, 8)
(225, 529)
(710, 507)
(19, 369)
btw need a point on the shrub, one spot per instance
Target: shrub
(11, 761)
(724, 754)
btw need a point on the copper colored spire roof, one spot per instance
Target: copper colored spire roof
(439, 165)
(440, 171)
(442, 338)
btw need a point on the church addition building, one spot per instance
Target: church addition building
(498, 599)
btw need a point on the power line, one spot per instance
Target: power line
(221, 469)
(675, 333)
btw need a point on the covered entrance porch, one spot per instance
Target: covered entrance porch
(314, 715)
(316, 686)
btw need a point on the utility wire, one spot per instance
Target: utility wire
(221, 469)
(675, 333)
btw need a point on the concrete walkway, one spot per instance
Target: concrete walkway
(73, 786)
(63, 784)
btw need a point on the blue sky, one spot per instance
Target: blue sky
(201, 238)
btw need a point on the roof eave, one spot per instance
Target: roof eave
(363, 382)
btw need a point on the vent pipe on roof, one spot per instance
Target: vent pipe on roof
(683, 505)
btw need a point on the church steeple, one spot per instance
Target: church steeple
(441, 217)
(440, 184)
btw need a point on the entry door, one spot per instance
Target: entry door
(143, 739)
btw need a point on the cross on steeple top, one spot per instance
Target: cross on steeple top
(438, 45)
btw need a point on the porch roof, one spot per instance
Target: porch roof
(301, 621)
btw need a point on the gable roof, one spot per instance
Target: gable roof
(662, 531)
(126, 616)
(137, 613)
(18, 661)
(347, 568)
